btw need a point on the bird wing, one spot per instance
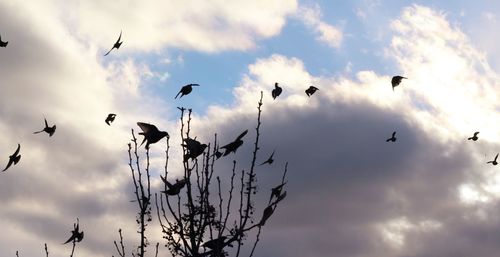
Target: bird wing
(120, 37)
(496, 157)
(147, 128)
(180, 91)
(241, 135)
(17, 150)
(475, 133)
(46, 124)
(109, 51)
(8, 164)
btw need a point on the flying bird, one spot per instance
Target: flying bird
(111, 117)
(311, 90)
(269, 160)
(233, 146)
(392, 138)
(474, 138)
(14, 158)
(2, 43)
(76, 235)
(49, 130)
(494, 162)
(173, 189)
(185, 90)
(396, 80)
(116, 45)
(151, 133)
(276, 91)
(193, 148)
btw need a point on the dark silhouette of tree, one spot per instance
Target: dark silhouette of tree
(198, 217)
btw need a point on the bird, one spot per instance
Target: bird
(269, 160)
(2, 43)
(14, 158)
(494, 162)
(49, 130)
(215, 244)
(111, 117)
(268, 211)
(116, 45)
(185, 90)
(193, 148)
(311, 90)
(174, 189)
(396, 80)
(151, 133)
(276, 91)
(392, 138)
(276, 191)
(474, 138)
(233, 146)
(76, 235)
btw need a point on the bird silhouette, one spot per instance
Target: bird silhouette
(14, 158)
(76, 235)
(276, 191)
(494, 162)
(474, 137)
(311, 90)
(396, 80)
(215, 244)
(116, 45)
(151, 133)
(268, 211)
(111, 117)
(276, 91)
(2, 43)
(47, 129)
(392, 138)
(193, 148)
(269, 160)
(185, 90)
(233, 146)
(173, 189)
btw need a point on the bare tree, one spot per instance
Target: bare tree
(200, 214)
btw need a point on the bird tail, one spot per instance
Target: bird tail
(177, 95)
(38, 132)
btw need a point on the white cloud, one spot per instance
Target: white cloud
(326, 33)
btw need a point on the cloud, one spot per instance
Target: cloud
(349, 192)
(326, 33)
(193, 25)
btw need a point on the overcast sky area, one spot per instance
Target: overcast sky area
(350, 193)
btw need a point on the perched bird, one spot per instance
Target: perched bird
(474, 138)
(269, 160)
(49, 130)
(276, 91)
(2, 43)
(494, 162)
(151, 133)
(268, 211)
(311, 90)
(233, 146)
(174, 189)
(276, 191)
(185, 90)
(76, 235)
(193, 148)
(111, 117)
(215, 244)
(14, 158)
(392, 138)
(116, 45)
(396, 80)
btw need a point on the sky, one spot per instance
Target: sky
(350, 193)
